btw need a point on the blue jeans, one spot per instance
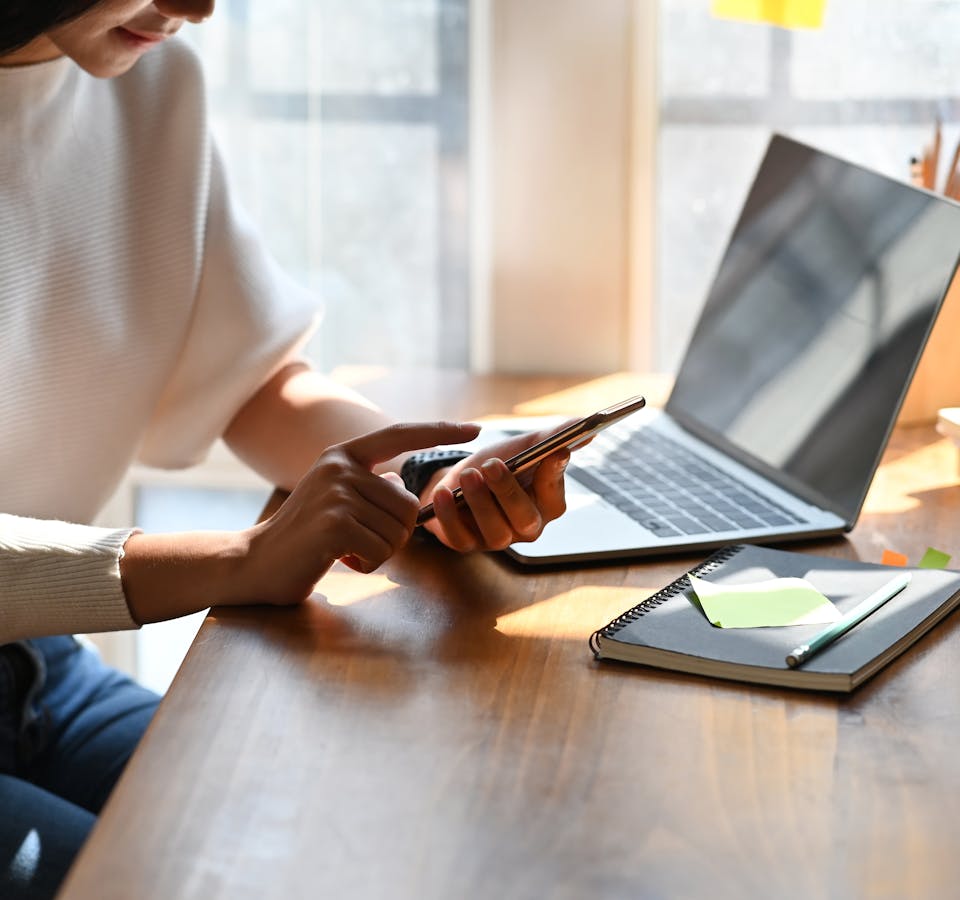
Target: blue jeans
(68, 725)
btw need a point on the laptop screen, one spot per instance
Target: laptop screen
(815, 321)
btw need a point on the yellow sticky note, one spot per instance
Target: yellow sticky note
(785, 13)
(778, 601)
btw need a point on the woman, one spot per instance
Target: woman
(141, 319)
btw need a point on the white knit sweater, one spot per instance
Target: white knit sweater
(138, 312)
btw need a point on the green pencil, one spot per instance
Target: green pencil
(842, 626)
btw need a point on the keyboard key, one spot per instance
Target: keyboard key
(716, 523)
(774, 519)
(660, 529)
(687, 525)
(745, 521)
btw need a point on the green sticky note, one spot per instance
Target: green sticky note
(779, 601)
(934, 559)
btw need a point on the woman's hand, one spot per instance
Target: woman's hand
(341, 510)
(498, 507)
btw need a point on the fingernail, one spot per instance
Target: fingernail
(493, 470)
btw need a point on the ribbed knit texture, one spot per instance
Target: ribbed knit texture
(138, 312)
(59, 578)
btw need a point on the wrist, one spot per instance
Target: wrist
(165, 576)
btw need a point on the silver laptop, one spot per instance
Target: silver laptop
(793, 378)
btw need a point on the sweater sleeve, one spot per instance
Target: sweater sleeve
(60, 578)
(249, 318)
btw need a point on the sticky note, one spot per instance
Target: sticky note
(934, 559)
(779, 601)
(785, 13)
(890, 558)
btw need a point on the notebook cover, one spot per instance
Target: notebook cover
(669, 631)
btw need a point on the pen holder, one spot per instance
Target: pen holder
(936, 383)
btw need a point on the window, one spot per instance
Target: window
(868, 86)
(344, 127)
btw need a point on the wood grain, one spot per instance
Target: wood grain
(439, 729)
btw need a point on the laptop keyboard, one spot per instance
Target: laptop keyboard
(668, 488)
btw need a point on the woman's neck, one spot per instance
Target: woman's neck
(40, 49)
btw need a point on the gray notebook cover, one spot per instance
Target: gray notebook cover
(669, 631)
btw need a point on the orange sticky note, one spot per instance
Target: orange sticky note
(785, 13)
(890, 558)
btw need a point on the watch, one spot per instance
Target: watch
(420, 467)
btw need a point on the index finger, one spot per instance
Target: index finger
(379, 446)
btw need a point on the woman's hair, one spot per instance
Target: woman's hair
(23, 20)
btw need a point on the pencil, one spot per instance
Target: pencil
(916, 171)
(934, 157)
(856, 615)
(952, 186)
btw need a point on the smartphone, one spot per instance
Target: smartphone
(574, 435)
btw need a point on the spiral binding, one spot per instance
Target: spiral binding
(710, 564)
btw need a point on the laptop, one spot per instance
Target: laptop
(793, 378)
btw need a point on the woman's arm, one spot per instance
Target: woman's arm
(340, 509)
(334, 451)
(296, 415)
(299, 412)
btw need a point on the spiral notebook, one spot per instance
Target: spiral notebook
(669, 631)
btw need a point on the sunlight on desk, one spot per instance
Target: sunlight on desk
(561, 616)
(898, 482)
(599, 392)
(341, 588)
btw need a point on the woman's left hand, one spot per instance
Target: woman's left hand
(498, 508)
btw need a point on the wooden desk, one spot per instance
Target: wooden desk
(440, 730)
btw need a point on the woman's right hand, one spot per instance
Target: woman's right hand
(341, 510)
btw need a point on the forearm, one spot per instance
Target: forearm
(293, 418)
(340, 510)
(170, 575)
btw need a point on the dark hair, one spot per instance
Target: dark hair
(23, 20)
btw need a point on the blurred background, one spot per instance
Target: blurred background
(521, 185)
